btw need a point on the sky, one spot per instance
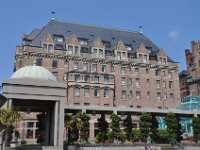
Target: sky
(170, 24)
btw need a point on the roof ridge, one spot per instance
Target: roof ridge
(97, 26)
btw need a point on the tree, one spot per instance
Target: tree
(83, 121)
(71, 127)
(136, 135)
(115, 126)
(8, 117)
(173, 126)
(145, 126)
(128, 127)
(102, 129)
(196, 128)
(77, 125)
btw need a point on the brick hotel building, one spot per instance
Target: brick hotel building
(103, 67)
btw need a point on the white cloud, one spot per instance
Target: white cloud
(174, 35)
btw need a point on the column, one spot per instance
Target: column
(61, 123)
(55, 124)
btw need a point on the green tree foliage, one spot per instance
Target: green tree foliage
(196, 128)
(83, 120)
(128, 127)
(115, 119)
(9, 117)
(102, 129)
(162, 136)
(145, 126)
(136, 135)
(77, 125)
(154, 127)
(173, 126)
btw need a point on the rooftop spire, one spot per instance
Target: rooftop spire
(140, 29)
(53, 15)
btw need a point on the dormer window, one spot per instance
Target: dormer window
(162, 60)
(70, 50)
(128, 47)
(97, 53)
(46, 47)
(50, 48)
(73, 50)
(58, 38)
(106, 44)
(83, 41)
(143, 58)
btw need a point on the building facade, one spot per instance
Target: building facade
(193, 68)
(103, 67)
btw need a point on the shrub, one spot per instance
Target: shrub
(23, 142)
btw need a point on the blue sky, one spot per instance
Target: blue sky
(170, 24)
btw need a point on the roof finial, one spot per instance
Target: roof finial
(140, 29)
(53, 13)
(34, 63)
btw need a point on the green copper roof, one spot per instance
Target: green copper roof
(34, 72)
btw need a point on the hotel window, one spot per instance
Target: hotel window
(157, 72)
(137, 82)
(70, 50)
(164, 61)
(39, 61)
(170, 74)
(87, 78)
(148, 95)
(96, 79)
(65, 76)
(131, 94)
(112, 68)
(50, 48)
(123, 70)
(75, 65)
(170, 85)
(145, 58)
(76, 50)
(118, 55)
(54, 63)
(171, 96)
(100, 53)
(66, 63)
(164, 73)
(103, 68)
(96, 92)
(123, 55)
(95, 52)
(58, 38)
(76, 77)
(137, 71)
(158, 84)
(86, 92)
(147, 82)
(165, 96)
(76, 91)
(55, 74)
(158, 95)
(160, 60)
(85, 66)
(123, 81)
(130, 81)
(164, 84)
(106, 93)
(138, 95)
(106, 79)
(123, 94)
(94, 67)
(147, 71)
(44, 47)
(140, 58)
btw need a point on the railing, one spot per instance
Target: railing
(176, 144)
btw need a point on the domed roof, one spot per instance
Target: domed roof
(34, 72)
